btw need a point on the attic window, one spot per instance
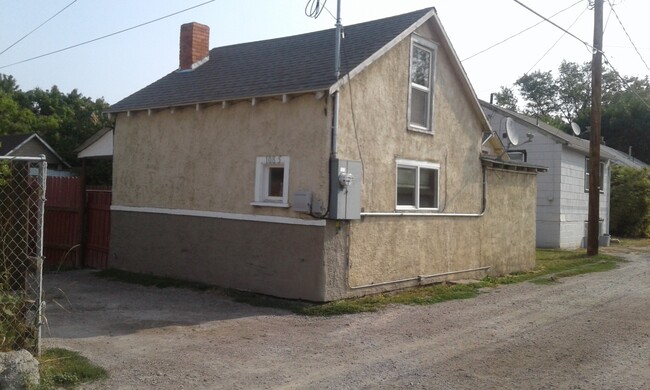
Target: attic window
(421, 78)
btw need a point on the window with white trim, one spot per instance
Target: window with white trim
(417, 185)
(272, 181)
(421, 79)
(601, 177)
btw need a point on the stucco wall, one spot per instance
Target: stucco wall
(276, 259)
(205, 160)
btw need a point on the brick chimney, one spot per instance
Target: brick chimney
(195, 42)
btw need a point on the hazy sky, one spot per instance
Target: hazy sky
(115, 67)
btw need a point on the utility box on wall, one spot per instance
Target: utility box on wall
(345, 189)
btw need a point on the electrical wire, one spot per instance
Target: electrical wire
(313, 8)
(37, 27)
(608, 62)
(556, 42)
(105, 36)
(521, 32)
(628, 35)
(589, 46)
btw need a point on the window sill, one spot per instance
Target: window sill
(270, 204)
(419, 130)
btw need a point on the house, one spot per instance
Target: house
(253, 167)
(99, 145)
(563, 191)
(32, 145)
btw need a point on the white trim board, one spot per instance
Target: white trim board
(220, 215)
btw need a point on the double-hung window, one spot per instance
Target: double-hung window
(417, 185)
(421, 78)
(272, 181)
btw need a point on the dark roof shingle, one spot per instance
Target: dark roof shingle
(299, 63)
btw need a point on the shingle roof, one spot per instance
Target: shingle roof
(300, 63)
(569, 140)
(10, 142)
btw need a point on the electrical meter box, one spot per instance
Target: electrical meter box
(345, 189)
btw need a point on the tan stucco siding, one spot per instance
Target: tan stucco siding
(205, 160)
(502, 239)
(373, 128)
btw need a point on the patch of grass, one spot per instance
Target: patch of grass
(61, 368)
(149, 280)
(551, 266)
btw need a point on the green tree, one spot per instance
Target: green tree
(630, 202)
(540, 94)
(506, 98)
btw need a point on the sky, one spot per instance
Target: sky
(115, 67)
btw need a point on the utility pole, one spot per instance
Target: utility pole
(594, 145)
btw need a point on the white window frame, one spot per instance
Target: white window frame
(601, 179)
(417, 165)
(433, 49)
(262, 169)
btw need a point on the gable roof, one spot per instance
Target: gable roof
(11, 144)
(99, 145)
(295, 64)
(570, 141)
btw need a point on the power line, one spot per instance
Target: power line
(558, 40)
(105, 36)
(521, 32)
(628, 35)
(591, 48)
(39, 26)
(608, 62)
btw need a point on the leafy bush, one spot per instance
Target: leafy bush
(630, 202)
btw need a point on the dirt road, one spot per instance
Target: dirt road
(586, 332)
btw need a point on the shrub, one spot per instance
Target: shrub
(630, 202)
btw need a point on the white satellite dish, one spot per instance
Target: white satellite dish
(576, 129)
(511, 132)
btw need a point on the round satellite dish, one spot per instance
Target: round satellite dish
(511, 132)
(575, 128)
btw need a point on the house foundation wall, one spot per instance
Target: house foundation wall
(270, 258)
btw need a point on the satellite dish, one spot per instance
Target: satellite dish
(575, 128)
(511, 132)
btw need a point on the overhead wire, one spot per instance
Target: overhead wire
(628, 35)
(106, 36)
(313, 8)
(521, 32)
(37, 27)
(558, 40)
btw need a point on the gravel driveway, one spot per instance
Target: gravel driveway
(585, 332)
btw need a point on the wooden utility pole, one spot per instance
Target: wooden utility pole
(594, 145)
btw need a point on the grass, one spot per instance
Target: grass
(552, 265)
(61, 368)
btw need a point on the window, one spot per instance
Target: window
(601, 178)
(518, 155)
(417, 185)
(423, 58)
(272, 181)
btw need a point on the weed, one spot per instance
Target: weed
(61, 368)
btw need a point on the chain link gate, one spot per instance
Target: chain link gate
(22, 210)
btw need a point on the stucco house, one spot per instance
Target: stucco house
(33, 145)
(562, 191)
(253, 167)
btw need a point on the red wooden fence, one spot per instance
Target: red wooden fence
(65, 211)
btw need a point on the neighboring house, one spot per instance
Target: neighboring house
(252, 167)
(563, 191)
(99, 145)
(32, 145)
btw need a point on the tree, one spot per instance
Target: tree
(574, 89)
(506, 98)
(630, 200)
(540, 93)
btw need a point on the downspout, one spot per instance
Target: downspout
(337, 75)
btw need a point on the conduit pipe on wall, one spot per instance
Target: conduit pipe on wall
(420, 278)
(412, 214)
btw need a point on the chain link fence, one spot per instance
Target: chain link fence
(22, 210)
